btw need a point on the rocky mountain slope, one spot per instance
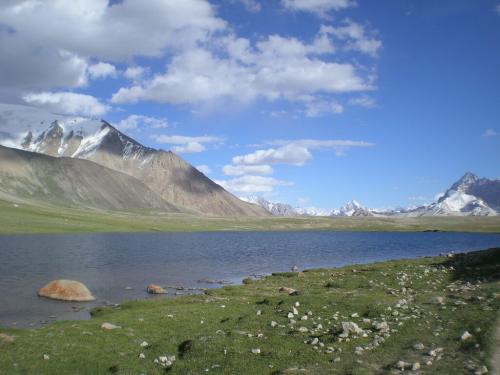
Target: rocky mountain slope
(165, 173)
(29, 176)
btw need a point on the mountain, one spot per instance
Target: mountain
(469, 196)
(29, 176)
(352, 208)
(163, 172)
(276, 209)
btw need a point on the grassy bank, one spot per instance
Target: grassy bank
(25, 218)
(428, 305)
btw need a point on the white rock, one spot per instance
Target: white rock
(144, 344)
(290, 315)
(46, 357)
(142, 356)
(351, 327)
(295, 311)
(315, 341)
(256, 351)
(273, 324)
(109, 326)
(465, 336)
(415, 366)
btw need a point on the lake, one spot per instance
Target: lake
(108, 263)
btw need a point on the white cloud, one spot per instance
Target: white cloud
(289, 154)
(490, 133)
(497, 9)
(363, 101)
(240, 170)
(251, 184)
(137, 121)
(319, 7)
(185, 144)
(47, 44)
(102, 70)
(356, 36)
(67, 103)
(205, 169)
(274, 68)
(134, 73)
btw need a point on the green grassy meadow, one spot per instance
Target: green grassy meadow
(28, 218)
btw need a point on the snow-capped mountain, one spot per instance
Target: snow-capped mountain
(469, 196)
(352, 208)
(276, 209)
(165, 173)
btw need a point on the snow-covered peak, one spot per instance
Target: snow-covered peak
(463, 184)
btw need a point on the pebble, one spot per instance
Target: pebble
(142, 356)
(418, 346)
(46, 357)
(144, 344)
(465, 336)
(273, 324)
(256, 351)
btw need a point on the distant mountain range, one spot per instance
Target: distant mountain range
(178, 184)
(469, 196)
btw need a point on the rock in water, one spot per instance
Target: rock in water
(66, 290)
(155, 289)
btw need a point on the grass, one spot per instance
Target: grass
(29, 218)
(215, 333)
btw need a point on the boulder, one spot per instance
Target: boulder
(66, 290)
(109, 326)
(155, 289)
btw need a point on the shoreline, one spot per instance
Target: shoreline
(238, 320)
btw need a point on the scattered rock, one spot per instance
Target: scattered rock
(415, 366)
(465, 336)
(256, 351)
(144, 344)
(418, 346)
(109, 326)
(382, 327)
(435, 352)
(289, 291)
(66, 290)
(46, 357)
(273, 324)
(437, 300)
(350, 328)
(155, 289)
(165, 361)
(142, 356)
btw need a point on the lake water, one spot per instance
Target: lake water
(107, 263)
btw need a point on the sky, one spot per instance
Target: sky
(308, 102)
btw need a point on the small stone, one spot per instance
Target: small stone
(109, 326)
(256, 351)
(465, 336)
(46, 357)
(273, 324)
(142, 356)
(437, 301)
(259, 312)
(382, 327)
(314, 341)
(418, 346)
(144, 344)
(303, 329)
(295, 311)
(351, 327)
(290, 315)
(297, 304)
(415, 366)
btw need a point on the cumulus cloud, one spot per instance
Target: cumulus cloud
(102, 70)
(134, 73)
(251, 184)
(133, 122)
(68, 103)
(47, 44)
(273, 68)
(253, 6)
(318, 7)
(357, 37)
(240, 170)
(289, 154)
(185, 144)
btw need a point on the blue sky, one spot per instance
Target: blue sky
(310, 102)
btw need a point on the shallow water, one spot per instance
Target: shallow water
(107, 263)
